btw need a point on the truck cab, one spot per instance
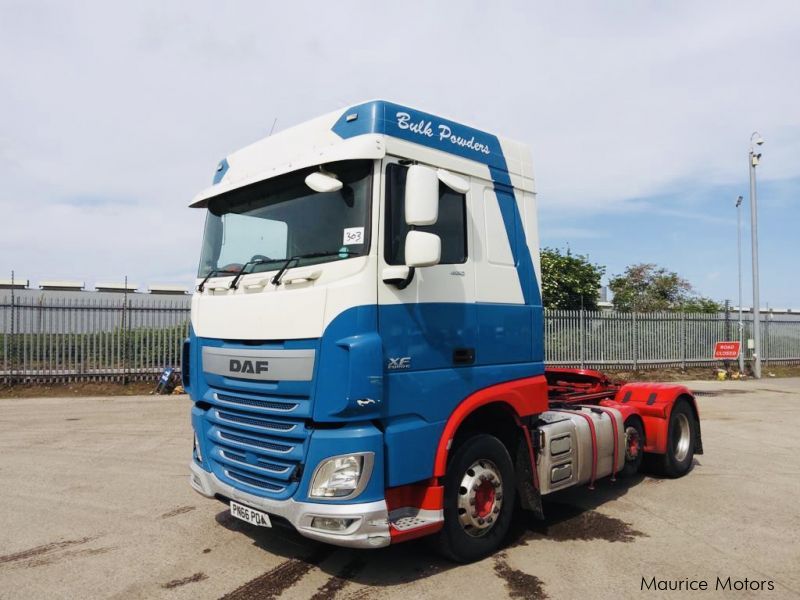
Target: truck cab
(365, 358)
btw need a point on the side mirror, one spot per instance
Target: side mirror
(422, 196)
(422, 249)
(322, 182)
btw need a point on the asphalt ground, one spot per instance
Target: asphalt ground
(95, 503)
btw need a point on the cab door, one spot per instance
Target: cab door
(431, 323)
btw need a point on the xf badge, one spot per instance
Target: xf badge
(403, 362)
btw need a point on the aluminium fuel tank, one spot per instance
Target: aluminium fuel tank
(566, 450)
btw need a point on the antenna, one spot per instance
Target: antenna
(273, 126)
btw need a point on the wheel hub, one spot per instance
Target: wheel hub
(633, 444)
(681, 436)
(480, 497)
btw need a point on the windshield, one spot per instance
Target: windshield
(268, 222)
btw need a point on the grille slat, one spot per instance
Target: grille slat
(267, 404)
(236, 418)
(266, 445)
(261, 464)
(259, 483)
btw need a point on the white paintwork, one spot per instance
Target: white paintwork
(394, 273)
(453, 181)
(496, 275)
(422, 196)
(264, 160)
(323, 182)
(311, 297)
(422, 249)
(259, 310)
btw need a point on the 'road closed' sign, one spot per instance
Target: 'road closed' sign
(726, 350)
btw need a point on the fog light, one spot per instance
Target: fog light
(331, 523)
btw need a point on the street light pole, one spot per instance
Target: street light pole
(755, 140)
(739, 258)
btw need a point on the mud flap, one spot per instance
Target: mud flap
(698, 440)
(529, 496)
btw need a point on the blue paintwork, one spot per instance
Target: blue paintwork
(359, 437)
(508, 345)
(407, 409)
(222, 168)
(411, 405)
(381, 117)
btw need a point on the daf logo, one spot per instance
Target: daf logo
(248, 366)
(403, 362)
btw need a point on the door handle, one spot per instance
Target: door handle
(464, 356)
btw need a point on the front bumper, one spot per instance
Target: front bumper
(369, 530)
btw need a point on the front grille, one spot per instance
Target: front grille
(268, 404)
(228, 416)
(259, 483)
(262, 464)
(254, 442)
(258, 435)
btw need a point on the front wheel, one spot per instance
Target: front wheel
(479, 493)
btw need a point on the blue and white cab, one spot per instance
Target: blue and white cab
(362, 275)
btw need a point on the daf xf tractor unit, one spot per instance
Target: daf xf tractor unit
(366, 353)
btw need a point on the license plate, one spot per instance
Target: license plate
(251, 515)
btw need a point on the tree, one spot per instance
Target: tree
(645, 287)
(569, 281)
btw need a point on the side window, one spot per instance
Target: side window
(451, 226)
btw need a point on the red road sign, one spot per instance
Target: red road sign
(726, 350)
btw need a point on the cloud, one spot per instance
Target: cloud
(621, 103)
(91, 201)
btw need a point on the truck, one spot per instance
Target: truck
(366, 350)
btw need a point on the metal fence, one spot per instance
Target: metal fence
(612, 340)
(89, 339)
(130, 338)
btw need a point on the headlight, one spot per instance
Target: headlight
(341, 476)
(197, 453)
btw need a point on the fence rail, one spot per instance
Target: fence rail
(65, 339)
(612, 340)
(58, 339)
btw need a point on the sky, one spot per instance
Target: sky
(639, 116)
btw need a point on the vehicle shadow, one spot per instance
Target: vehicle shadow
(383, 567)
(569, 515)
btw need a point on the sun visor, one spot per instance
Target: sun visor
(363, 146)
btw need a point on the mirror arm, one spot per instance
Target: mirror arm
(402, 284)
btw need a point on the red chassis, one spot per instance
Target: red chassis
(651, 402)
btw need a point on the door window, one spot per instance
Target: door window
(451, 226)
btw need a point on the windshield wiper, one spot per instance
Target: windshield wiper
(257, 261)
(276, 280)
(211, 273)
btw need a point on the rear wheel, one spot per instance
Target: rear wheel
(634, 447)
(479, 494)
(680, 440)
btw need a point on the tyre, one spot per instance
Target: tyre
(479, 493)
(680, 441)
(634, 447)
